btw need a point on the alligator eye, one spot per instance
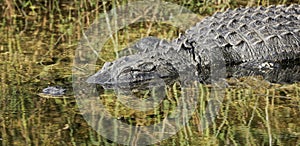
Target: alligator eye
(147, 66)
(126, 70)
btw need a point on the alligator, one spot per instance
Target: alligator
(251, 40)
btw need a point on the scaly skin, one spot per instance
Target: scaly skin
(257, 39)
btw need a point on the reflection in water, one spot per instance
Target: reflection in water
(143, 123)
(251, 107)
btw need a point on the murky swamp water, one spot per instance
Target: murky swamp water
(37, 45)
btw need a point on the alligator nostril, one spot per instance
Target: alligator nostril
(107, 64)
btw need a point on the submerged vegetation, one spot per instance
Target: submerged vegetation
(37, 43)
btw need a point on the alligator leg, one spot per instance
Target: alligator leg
(275, 72)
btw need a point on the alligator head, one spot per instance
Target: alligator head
(134, 69)
(157, 61)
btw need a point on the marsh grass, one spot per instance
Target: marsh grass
(37, 43)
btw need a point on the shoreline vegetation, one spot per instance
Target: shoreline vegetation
(37, 43)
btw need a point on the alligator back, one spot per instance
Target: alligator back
(247, 34)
